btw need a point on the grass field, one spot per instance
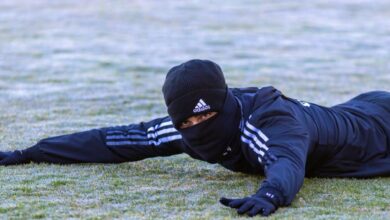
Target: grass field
(68, 66)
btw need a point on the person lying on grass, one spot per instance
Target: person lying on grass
(251, 130)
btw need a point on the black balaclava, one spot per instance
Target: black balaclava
(197, 87)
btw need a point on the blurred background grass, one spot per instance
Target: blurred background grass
(67, 66)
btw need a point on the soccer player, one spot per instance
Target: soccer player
(250, 130)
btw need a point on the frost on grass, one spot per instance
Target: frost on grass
(173, 187)
(75, 65)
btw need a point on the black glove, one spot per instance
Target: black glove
(264, 202)
(13, 158)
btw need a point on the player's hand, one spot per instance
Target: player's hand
(12, 158)
(262, 203)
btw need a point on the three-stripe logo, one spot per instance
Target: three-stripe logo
(154, 135)
(255, 139)
(201, 106)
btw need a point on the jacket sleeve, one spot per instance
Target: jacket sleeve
(110, 145)
(284, 144)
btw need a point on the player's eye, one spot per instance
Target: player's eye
(185, 124)
(207, 115)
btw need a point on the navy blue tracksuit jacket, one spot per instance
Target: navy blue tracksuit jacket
(282, 138)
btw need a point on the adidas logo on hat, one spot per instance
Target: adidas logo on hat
(201, 106)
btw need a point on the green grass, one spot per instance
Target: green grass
(173, 188)
(68, 66)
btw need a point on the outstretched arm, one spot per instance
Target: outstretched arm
(105, 145)
(282, 144)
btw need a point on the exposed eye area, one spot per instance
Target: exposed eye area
(206, 116)
(196, 119)
(185, 124)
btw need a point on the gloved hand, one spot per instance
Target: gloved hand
(264, 202)
(12, 158)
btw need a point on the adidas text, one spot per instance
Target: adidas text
(201, 106)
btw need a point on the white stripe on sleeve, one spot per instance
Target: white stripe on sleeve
(254, 129)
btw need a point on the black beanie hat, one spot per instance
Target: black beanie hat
(194, 87)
